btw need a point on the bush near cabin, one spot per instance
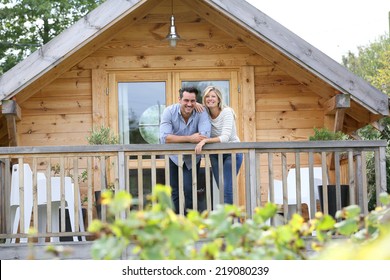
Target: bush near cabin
(226, 233)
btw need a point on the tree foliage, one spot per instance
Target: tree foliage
(372, 63)
(25, 25)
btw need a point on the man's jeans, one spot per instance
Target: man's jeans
(227, 173)
(187, 184)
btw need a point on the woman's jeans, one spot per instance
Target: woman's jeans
(227, 173)
(187, 184)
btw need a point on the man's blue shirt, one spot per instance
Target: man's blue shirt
(172, 122)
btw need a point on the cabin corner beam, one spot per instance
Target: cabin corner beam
(12, 112)
(337, 102)
(336, 106)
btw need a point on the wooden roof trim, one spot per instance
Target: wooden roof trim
(64, 45)
(304, 54)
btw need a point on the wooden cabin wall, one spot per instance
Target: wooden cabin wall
(285, 109)
(65, 111)
(59, 114)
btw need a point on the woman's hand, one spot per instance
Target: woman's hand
(199, 107)
(198, 147)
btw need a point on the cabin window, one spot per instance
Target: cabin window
(140, 107)
(223, 86)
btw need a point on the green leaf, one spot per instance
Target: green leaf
(351, 211)
(121, 201)
(95, 226)
(384, 198)
(326, 223)
(262, 214)
(108, 248)
(162, 195)
(347, 227)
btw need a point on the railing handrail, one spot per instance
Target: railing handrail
(302, 145)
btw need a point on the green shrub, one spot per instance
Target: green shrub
(102, 136)
(227, 234)
(324, 134)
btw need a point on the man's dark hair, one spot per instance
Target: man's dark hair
(188, 89)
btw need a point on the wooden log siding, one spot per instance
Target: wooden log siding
(259, 168)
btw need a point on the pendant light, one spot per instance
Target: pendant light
(172, 36)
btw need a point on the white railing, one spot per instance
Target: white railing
(287, 173)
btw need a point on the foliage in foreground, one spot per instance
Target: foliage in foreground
(225, 233)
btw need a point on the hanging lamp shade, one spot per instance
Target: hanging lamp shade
(172, 36)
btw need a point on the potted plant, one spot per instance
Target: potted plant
(102, 136)
(324, 134)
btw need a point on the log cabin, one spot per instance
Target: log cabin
(115, 68)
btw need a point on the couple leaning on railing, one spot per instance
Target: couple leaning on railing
(183, 123)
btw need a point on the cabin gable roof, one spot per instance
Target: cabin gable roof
(236, 17)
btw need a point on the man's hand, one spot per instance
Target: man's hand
(199, 107)
(197, 137)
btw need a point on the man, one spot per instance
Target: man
(181, 123)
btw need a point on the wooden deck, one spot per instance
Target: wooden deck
(286, 173)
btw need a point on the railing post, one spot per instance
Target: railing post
(337, 176)
(181, 185)
(283, 157)
(7, 202)
(324, 183)
(194, 183)
(103, 186)
(121, 170)
(359, 180)
(351, 178)
(380, 169)
(313, 203)
(208, 185)
(250, 179)
(364, 183)
(3, 196)
(121, 176)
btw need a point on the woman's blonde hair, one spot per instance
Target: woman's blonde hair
(209, 89)
(221, 103)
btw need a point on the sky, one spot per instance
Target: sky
(332, 26)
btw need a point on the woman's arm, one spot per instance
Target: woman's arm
(199, 146)
(225, 131)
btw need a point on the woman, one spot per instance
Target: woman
(223, 130)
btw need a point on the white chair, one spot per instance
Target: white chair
(291, 189)
(42, 202)
(56, 204)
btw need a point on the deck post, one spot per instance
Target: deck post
(121, 176)
(380, 167)
(250, 179)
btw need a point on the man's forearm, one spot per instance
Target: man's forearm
(177, 139)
